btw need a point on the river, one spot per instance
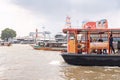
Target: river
(22, 62)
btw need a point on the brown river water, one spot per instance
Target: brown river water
(22, 62)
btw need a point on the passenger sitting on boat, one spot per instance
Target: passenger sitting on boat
(94, 40)
(111, 43)
(94, 50)
(79, 47)
(100, 40)
(118, 47)
(104, 50)
(90, 39)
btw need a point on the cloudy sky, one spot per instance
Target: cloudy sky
(25, 16)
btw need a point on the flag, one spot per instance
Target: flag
(68, 22)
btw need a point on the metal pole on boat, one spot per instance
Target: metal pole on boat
(68, 25)
(67, 40)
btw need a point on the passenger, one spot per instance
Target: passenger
(79, 48)
(90, 39)
(94, 50)
(118, 47)
(94, 40)
(100, 40)
(104, 50)
(111, 43)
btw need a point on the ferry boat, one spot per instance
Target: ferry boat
(89, 51)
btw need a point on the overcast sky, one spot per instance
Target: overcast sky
(25, 16)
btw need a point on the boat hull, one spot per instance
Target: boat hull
(91, 59)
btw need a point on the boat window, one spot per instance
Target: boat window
(116, 39)
(72, 36)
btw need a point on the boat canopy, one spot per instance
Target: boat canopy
(74, 45)
(78, 31)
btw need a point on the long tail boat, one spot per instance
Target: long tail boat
(88, 50)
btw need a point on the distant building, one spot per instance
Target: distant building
(60, 37)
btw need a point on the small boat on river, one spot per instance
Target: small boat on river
(50, 46)
(59, 44)
(88, 50)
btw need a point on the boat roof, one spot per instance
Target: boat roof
(91, 30)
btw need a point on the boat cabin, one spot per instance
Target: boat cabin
(91, 40)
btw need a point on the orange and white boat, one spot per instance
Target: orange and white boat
(89, 50)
